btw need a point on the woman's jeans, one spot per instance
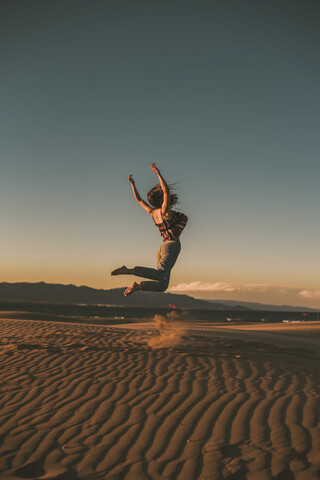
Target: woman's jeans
(166, 258)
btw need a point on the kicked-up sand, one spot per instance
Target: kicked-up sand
(161, 400)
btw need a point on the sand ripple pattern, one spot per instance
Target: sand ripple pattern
(81, 402)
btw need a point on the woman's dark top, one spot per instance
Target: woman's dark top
(171, 229)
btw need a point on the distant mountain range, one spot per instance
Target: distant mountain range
(71, 294)
(261, 306)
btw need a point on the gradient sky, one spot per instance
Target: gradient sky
(222, 95)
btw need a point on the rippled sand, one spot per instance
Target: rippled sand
(165, 400)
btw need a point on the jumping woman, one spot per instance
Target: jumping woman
(170, 224)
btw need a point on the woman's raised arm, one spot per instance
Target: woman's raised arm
(166, 190)
(136, 194)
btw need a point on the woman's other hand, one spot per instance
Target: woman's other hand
(154, 168)
(130, 179)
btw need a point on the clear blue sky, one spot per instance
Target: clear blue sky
(222, 95)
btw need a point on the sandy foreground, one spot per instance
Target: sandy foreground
(168, 399)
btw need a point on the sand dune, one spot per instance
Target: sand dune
(155, 402)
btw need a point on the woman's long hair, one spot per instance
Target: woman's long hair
(155, 196)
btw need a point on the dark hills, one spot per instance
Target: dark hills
(71, 294)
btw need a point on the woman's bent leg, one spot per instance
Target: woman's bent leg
(166, 258)
(152, 273)
(160, 286)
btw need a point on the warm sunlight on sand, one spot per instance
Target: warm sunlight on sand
(160, 400)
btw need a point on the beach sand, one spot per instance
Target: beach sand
(163, 400)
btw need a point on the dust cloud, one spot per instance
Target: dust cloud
(171, 328)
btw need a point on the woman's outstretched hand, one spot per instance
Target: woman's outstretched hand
(131, 179)
(154, 168)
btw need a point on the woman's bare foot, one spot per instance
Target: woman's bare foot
(134, 287)
(120, 271)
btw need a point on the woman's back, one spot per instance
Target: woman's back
(170, 224)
